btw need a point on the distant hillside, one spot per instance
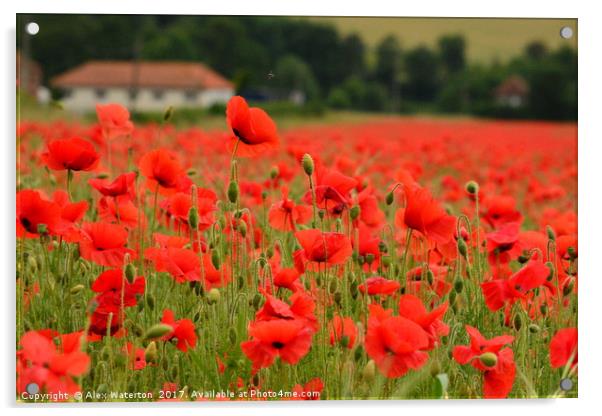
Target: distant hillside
(487, 39)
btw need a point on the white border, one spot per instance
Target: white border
(590, 207)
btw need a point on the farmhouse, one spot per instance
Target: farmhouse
(142, 85)
(512, 92)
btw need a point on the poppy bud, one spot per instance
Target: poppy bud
(233, 192)
(256, 301)
(518, 322)
(31, 261)
(571, 252)
(522, 259)
(264, 195)
(76, 289)
(42, 229)
(213, 296)
(472, 187)
(550, 266)
(308, 164)
(321, 214)
(333, 286)
(193, 217)
(458, 285)
(102, 175)
(369, 258)
(274, 172)
(568, 288)
(344, 341)
(551, 233)
(137, 330)
(389, 198)
(130, 272)
(168, 113)
(462, 249)
(369, 371)
(215, 259)
(338, 297)
(232, 336)
(534, 329)
(157, 331)
(191, 172)
(452, 298)
(269, 252)
(359, 352)
(150, 353)
(150, 301)
(488, 359)
(354, 212)
(430, 277)
(543, 309)
(386, 261)
(262, 261)
(242, 229)
(353, 288)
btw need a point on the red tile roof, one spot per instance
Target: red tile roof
(162, 74)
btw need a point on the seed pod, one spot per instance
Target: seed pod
(488, 359)
(213, 296)
(308, 164)
(354, 212)
(193, 217)
(233, 192)
(462, 249)
(150, 353)
(157, 331)
(472, 187)
(76, 289)
(369, 371)
(369, 258)
(130, 272)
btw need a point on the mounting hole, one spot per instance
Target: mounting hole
(566, 32)
(32, 28)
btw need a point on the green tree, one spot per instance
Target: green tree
(422, 74)
(293, 74)
(452, 51)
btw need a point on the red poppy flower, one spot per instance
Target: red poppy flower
(183, 331)
(136, 356)
(253, 129)
(396, 344)
(502, 244)
(499, 378)
(501, 291)
(71, 212)
(177, 207)
(288, 278)
(104, 243)
(284, 214)
(332, 190)
(40, 363)
(121, 210)
(344, 331)
(370, 213)
(122, 185)
(114, 120)
(33, 211)
(563, 348)
(309, 391)
(182, 264)
(501, 209)
(327, 248)
(72, 154)
(215, 277)
(378, 285)
(412, 308)
(163, 172)
(426, 215)
(288, 339)
(115, 290)
(301, 308)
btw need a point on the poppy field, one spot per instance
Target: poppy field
(386, 258)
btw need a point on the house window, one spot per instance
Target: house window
(191, 95)
(158, 94)
(133, 94)
(100, 93)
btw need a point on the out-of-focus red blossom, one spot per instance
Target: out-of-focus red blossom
(411, 307)
(502, 244)
(288, 278)
(163, 172)
(378, 285)
(321, 248)
(427, 216)
(33, 211)
(114, 120)
(396, 344)
(289, 339)
(122, 185)
(182, 264)
(563, 348)
(121, 210)
(53, 370)
(254, 132)
(136, 356)
(71, 154)
(183, 331)
(104, 243)
(284, 215)
(343, 330)
(500, 209)
(309, 391)
(499, 378)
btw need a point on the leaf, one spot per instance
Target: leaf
(440, 383)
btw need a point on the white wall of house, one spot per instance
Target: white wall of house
(84, 99)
